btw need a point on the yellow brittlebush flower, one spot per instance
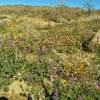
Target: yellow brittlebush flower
(81, 67)
(30, 57)
(64, 82)
(66, 66)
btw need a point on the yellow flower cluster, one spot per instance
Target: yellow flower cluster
(30, 57)
(64, 82)
(81, 67)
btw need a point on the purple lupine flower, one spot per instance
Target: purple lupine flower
(30, 78)
(98, 85)
(72, 80)
(80, 97)
(55, 95)
(83, 79)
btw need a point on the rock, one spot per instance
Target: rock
(16, 89)
(95, 43)
(96, 39)
(29, 97)
(3, 98)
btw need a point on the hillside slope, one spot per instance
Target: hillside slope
(49, 53)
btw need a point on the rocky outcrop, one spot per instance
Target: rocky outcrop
(95, 41)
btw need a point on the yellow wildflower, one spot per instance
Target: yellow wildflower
(64, 82)
(30, 57)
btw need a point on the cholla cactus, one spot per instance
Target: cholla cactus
(10, 42)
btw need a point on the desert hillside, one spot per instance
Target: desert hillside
(49, 53)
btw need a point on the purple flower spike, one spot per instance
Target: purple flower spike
(80, 98)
